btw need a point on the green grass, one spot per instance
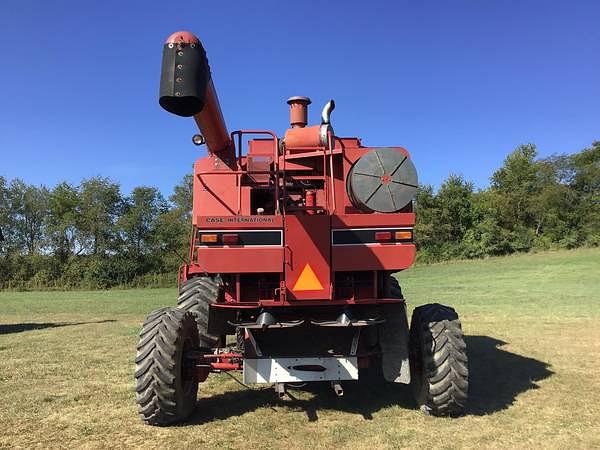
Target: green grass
(533, 332)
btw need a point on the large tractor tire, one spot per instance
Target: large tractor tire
(438, 361)
(240, 340)
(393, 337)
(394, 290)
(165, 383)
(196, 295)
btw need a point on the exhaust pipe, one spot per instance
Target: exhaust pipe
(187, 89)
(326, 113)
(299, 135)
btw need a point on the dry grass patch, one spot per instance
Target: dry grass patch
(533, 333)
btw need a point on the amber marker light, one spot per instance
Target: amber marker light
(403, 235)
(208, 238)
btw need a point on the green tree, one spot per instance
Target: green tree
(549, 205)
(138, 221)
(443, 218)
(62, 220)
(516, 181)
(174, 224)
(486, 237)
(100, 204)
(28, 206)
(454, 205)
(426, 211)
(4, 215)
(181, 198)
(585, 182)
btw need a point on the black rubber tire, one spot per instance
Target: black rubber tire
(165, 385)
(196, 295)
(240, 340)
(394, 290)
(438, 361)
(372, 336)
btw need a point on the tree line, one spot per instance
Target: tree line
(530, 204)
(93, 236)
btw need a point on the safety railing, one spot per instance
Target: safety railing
(237, 136)
(277, 172)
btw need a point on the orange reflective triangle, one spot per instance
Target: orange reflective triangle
(307, 281)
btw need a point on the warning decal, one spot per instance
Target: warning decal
(307, 281)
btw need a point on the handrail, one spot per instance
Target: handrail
(325, 188)
(330, 144)
(239, 134)
(327, 151)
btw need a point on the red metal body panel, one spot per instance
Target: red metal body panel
(216, 190)
(372, 257)
(260, 147)
(299, 303)
(233, 222)
(239, 259)
(298, 187)
(307, 241)
(373, 220)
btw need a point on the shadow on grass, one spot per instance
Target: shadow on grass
(364, 397)
(30, 326)
(497, 377)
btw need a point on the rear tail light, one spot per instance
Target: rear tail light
(230, 239)
(208, 238)
(382, 236)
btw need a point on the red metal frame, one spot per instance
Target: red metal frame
(236, 260)
(278, 303)
(296, 186)
(223, 199)
(275, 172)
(217, 362)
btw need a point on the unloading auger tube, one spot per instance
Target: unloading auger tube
(187, 89)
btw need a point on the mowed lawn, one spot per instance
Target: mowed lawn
(533, 333)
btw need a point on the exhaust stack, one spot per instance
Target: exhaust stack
(298, 111)
(187, 89)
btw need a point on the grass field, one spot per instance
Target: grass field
(533, 333)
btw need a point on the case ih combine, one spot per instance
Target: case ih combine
(293, 248)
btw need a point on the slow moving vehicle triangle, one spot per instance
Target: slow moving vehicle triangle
(307, 281)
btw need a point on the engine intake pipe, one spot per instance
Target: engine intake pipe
(187, 89)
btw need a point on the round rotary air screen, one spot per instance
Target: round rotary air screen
(382, 180)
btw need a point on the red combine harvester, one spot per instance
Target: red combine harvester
(293, 248)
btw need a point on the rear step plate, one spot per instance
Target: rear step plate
(293, 370)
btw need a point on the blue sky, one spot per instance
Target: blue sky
(458, 83)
